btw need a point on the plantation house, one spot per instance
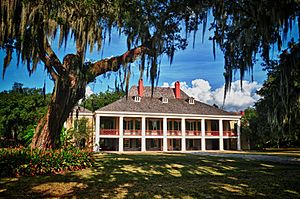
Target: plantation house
(168, 120)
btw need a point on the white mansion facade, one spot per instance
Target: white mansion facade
(166, 119)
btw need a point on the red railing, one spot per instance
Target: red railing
(229, 133)
(109, 132)
(192, 133)
(212, 133)
(154, 132)
(174, 132)
(132, 132)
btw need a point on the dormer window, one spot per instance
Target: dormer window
(191, 100)
(137, 98)
(164, 100)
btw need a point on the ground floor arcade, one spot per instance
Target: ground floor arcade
(166, 133)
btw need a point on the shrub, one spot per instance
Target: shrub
(24, 161)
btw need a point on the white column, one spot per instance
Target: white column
(239, 134)
(121, 134)
(203, 144)
(143, 134)
(183, 143)
(97, 134)
(165, 140)
(221, 142)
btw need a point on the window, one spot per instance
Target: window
(191, 100)
(126, 143)
(170, 125)
(137, 98)
(154, 125)
(177, 125)
(191, 125)
(199, 125)
(137, 124)
(214, 125)
(164, 100)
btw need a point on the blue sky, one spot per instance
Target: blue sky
(190, 64)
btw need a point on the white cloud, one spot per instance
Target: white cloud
(88, 91)
(237, 99)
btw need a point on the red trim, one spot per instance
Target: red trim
(109, 132)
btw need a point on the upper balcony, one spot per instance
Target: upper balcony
(174, 127)
(109, 126)
(192, 127)
(132, 126)
(154, 127)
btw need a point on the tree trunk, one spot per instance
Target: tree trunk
(65, 96)
(71, 78)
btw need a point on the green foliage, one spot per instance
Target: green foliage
(77, 135)
(96, 101)
(28, 134)
(280, 105)
(242, 29)
(24, 161)
(254, 129)
(275, 122)
(81, 131)
(20, 109)
(66, 137)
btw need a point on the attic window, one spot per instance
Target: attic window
(191, 100)
(137, 98)
(164, 100)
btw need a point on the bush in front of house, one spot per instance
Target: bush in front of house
(24, 161)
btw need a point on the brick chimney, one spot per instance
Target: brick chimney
(141, 88)
(177, 90)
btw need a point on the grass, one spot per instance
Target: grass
(292, 152)
(162, 175)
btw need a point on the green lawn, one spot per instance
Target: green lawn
(161, 175)
(291, 152)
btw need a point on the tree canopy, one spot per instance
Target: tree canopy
(241, 29)
(20, 109)
(96, 101)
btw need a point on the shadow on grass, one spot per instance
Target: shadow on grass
(163, 176)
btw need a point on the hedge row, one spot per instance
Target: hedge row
(24, 161)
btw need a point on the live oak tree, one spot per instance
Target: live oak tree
(280, 105)
(153, 28)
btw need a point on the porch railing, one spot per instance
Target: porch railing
(192, 133)
(132, 132)
(154, 132)
(212, 133)
(109, 132)
(229, 133)
(174, 132)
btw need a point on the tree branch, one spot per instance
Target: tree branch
(47, 63)
(54, 61)
(114, 63)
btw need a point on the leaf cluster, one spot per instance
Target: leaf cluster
(20, 109)
(25, 161)
(96, 101)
